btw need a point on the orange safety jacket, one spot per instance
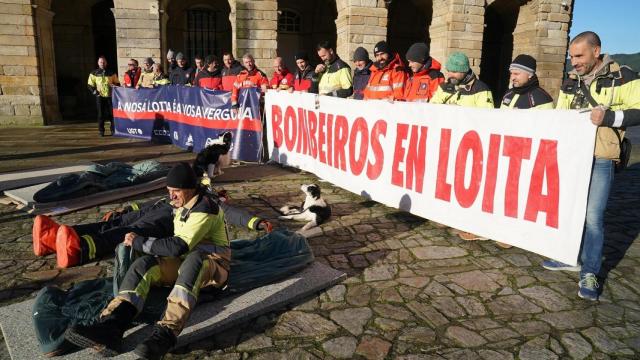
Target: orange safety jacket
(388, 82)
(423, 84)
(248, 79)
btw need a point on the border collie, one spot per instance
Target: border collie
(314, 209)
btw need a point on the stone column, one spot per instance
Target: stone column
(47, 61)
(543, 32)
(137, 31)
(359, 23)
(256, 30)
(19, 82)
(457, 25)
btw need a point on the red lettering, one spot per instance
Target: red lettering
(358, 157)
(321, 138)
(340, 140)
(276, 122)
(329, 139)
(517, 149)
(470, 143)
(313, 125)
(375, 169)
(398, 155)
(491, 173)
(290, 130)
(545, 167)
(416, 158)
(303, 142)
(443, 189)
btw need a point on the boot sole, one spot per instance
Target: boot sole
(88, 343)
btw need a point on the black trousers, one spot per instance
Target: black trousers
(101, 238)
(105, 112)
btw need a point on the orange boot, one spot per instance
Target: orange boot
(68, 248)
(44, 235)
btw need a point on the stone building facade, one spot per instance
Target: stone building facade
(48, 47)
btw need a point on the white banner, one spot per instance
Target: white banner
(515, 176)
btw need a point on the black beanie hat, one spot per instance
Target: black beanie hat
(381, 46)
(182, 176)
(360, 54)
(525, 63)
(301, 55)
(418, 52)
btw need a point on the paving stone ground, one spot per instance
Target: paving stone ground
(414, 290)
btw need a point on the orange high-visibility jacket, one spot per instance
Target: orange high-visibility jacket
(423, 84)
(248, 79)
(388, 82)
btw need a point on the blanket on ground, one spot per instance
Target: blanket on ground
(254, 263)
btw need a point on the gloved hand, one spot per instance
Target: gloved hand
(109, 214)
(265, 225)
(95, 92)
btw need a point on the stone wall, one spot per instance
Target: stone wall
(256, 30)
(137, 31)
(19, 82)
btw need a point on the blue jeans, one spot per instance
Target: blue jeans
(593, 236)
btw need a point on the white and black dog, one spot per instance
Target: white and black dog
(214, 157)
(314, 209)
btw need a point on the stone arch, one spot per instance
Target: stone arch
(497, 45)
(317, 23)
(198, 27)
(82, 31)
(408, 23)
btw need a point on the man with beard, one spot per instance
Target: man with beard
(171, 60)
(183, 74)
(462, 86)
(361, 73)
(426, 75)
(230, 70)
(209, 77)
(388, 75)
(465, 89)
(334, 74)
(305, 80)
(525, 92)
(597, 81)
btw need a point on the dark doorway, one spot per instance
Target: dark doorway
(497, 45)
(302, 25)
(408, 23)
(82, 31)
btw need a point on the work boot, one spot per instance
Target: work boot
(105, 336)
(161, 340)
(68, 248)
(44, 235)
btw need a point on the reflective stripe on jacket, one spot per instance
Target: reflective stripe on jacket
(101, 80)
(336, 80)
(614, 86)
(424, 84)
(473, 94)
(248, 79)
(388, 82)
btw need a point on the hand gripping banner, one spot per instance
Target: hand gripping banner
(515, 176)
(190, 117)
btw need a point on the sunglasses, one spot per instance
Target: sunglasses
(131, 64)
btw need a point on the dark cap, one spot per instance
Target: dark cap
(149, 61)
(182, 176)
(418, 52)
(525, 63)
(360, 54)
(381, 46)
(179, 56)
(301, 55)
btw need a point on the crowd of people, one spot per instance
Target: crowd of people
(597, 82)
